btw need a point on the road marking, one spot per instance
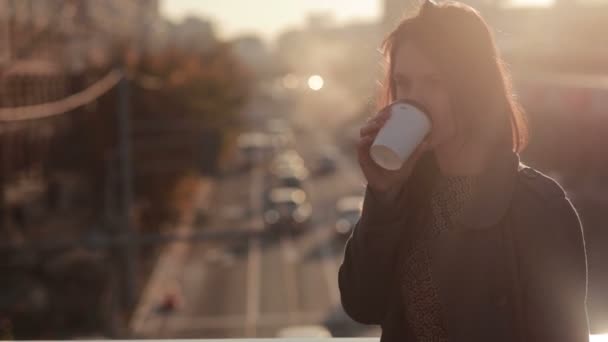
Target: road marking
(330, 269)
(289, 276)
(254, 261)
(253, 287)
(349, 175)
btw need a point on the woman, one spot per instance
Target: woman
(463, 243)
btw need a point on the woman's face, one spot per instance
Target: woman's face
(417, 79)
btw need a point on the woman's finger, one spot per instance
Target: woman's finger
(373, 126)
(363, 148)
(368, 165)
(381, 115)
(369, 129)
(365, 143)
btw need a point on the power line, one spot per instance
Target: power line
(64, 105)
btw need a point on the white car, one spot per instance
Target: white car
(310, 331)
(288, 161)
(348, 212)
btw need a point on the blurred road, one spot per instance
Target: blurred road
(255, 286)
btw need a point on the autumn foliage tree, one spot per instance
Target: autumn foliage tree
(183, 117)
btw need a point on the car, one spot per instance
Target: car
(287, 209)
(290, 177)
(280, 132)
(295, 180)
(253, 147)
(348, 212)
(282, 140)
(326, 163)
(281, 169)
(289, 156)
(287, 161)
(304, 331)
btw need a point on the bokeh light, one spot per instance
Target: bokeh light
(315, 82)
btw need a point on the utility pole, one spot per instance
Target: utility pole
(9, 28)
(4, 223)
(130, 251)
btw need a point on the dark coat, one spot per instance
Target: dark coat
(513, 269)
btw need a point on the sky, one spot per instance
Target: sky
(270, 17)
(267, 17)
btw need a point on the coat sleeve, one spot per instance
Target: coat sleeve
(553, 268)
(366, 274)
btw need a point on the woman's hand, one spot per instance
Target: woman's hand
(384, 183)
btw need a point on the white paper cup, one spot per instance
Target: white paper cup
(400, 135)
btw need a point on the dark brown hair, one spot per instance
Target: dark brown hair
(459, 42)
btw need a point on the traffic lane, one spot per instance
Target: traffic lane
(325, 190)
(274, 293)
(299, 274)
(224, 264)
(180, 292)
(278, 294)
(216, 296)
(322, 255)
(313, 298)
(215, 279)
(295, 287)
(316, 288)
(315, 273)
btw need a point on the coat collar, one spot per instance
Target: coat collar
(492, 193)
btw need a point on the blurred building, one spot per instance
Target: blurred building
(42, 43)
(347, 58)
(256, 56)
(322, 49)
(52, 49)
(567, 36)
(194, 34)
(89, 28)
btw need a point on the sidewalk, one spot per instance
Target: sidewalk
(193, 196)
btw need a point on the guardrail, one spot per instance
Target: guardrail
(592, 338)
(290, 339)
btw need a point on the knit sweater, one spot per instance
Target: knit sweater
(423, 308)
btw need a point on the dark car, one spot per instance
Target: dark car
(287, 210)
(292, 178)
(326, 163)
(288, 170)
